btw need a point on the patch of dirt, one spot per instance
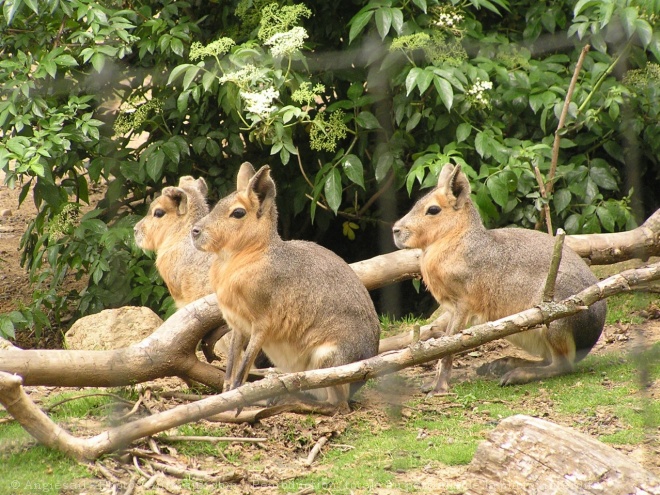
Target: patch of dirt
(262, 466)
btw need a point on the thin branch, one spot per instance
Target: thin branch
(562, 120)
(316, 450)
(544, 195)
(549, 290)
(188, 438)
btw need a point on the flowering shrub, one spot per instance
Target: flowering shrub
(355, 105)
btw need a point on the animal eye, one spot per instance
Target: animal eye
(158, 213)
(433, 210)
(238, 213)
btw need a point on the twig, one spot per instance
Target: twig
(133, 410)
(544, 195)
(186, 438)
(152, 481)
(84, 396)
(131, 485)
(316, 449)
(136, 463)
(106, 472)
(562, 120)
(549, 290)
(179, 472)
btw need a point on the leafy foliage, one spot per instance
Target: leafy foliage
(346, 100)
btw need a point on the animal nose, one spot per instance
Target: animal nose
(395, 230)
(195, 232)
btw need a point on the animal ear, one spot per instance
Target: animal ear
(263, 187)
(199, 184)
(454, 184)
(203, 188)
(245, 173)
(179, 197)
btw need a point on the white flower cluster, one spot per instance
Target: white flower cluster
(241, 77)
(448, 20)
(477, 92)
(284, 44)
(260, 102)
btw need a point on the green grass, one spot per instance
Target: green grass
(605, 388)
(29, 468)
(625, 307)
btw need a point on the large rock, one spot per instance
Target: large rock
(112, 329)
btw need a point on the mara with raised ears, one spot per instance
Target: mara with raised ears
(166, 230)
(481, 275)
(299, 302)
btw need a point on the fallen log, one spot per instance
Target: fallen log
(532, 456)
(37, 423)
(169, 351)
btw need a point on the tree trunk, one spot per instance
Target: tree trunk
(532, 456)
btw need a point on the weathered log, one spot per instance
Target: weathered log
(169, 351)
(532, 456)
(14, 399)
(597, 249)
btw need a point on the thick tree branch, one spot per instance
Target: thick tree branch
(169, 351)
(14, 399)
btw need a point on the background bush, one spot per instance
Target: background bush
(356, 105)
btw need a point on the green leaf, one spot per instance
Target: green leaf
(6, 327)
(332, 189)
(177, 46)
(358, 23)
(411, 79)
(33, 5)
(561, 199)
(644, 31)
(444, 89)
(10, 8)
(601, 173)
(424, 78)
(463, 132)
(367, 120)
(155, 165)
(66, 61)
(498, 189)
(383, 21)
(628, 18)
(98, 61)
(421, 4)
(397, 20)
(354, 169)
(606, 218)
(177, 71)
(191, 73)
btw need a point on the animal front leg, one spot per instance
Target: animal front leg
(440, 385)
(254, 346)
(235, 349)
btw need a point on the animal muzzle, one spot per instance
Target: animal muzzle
(400, 236)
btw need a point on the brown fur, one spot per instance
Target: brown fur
(481, 275)
(298, 301)
(166, 230)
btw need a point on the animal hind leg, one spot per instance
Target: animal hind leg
(559, 339)
(501, 366)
